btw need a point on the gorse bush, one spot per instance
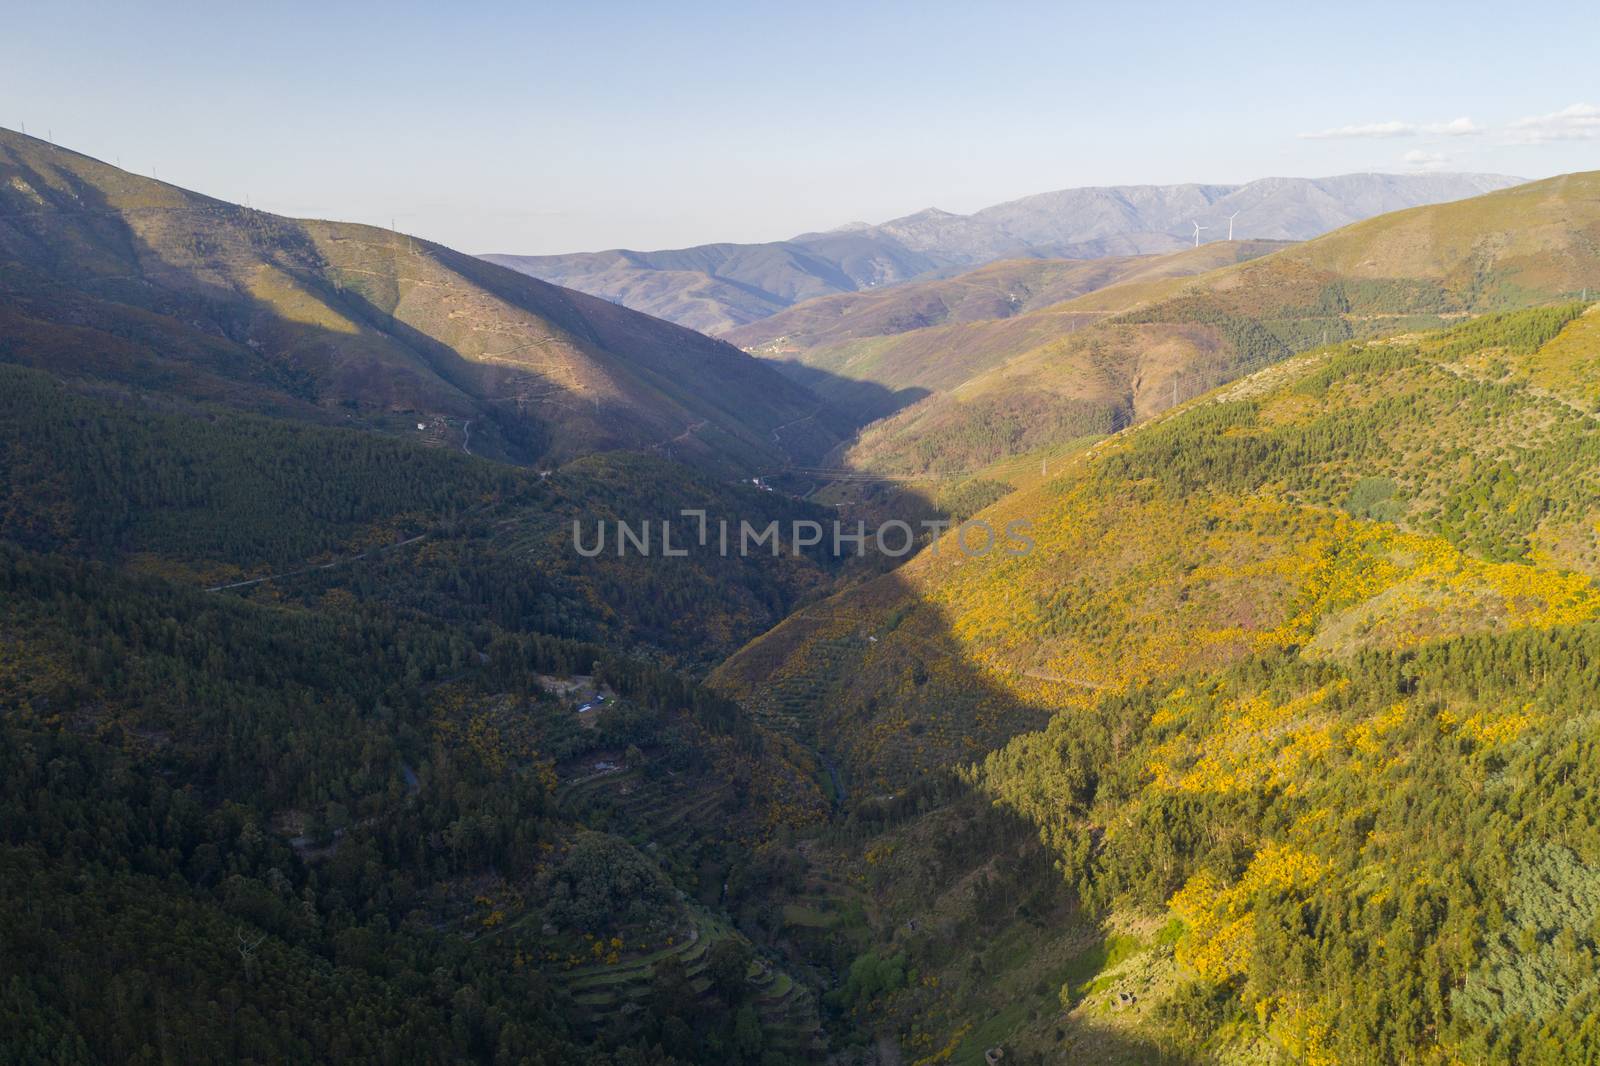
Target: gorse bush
(1514, 333)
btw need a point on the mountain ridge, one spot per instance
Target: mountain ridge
(894, 345)
(119, 278)
(747, 282)
(1133, 349)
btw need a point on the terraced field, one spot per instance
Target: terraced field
(654, 808)
(665, 812)
(787, 1009)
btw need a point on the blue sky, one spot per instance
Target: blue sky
(540, 127)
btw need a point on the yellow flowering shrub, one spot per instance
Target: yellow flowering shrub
(1220, 934)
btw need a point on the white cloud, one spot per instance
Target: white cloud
(1456, 127)
(1580, 122)
(1370, 129)
(1417, 159)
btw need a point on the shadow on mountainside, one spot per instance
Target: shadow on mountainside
(934, 869)
(962, 895)
(863, 401)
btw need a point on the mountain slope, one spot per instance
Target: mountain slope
(715, 287)
(875, 349)
(997, 290)
(226, 500)
(301, 808)
(1299, 673)
(719, 287)
(1131, 350)
(106, 275)
(302, 705)
(1128, 575)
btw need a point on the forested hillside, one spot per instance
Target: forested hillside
(1293, 674)
(1142, 624)
(224, 500)
(346, 826)
(336, 730)
(1262, 735)
(1293, 686)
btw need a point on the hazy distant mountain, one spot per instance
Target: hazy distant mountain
(1130, 219)
(718, 287)
(715, 287)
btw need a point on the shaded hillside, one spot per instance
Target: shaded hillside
(1128, 351)
(224, 499)
(108, 276)
(292, 714)
(717, 287)
(361, 830)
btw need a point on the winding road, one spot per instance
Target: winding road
(319, 566)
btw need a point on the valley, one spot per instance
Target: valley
(321, 739)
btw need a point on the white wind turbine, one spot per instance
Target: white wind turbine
(1197, 228)
(1230, 224)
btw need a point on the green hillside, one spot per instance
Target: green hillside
(305, 718)
(222, 499)
(106, 276)
(1443, 434)
(352, 826)
(1302, 669)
